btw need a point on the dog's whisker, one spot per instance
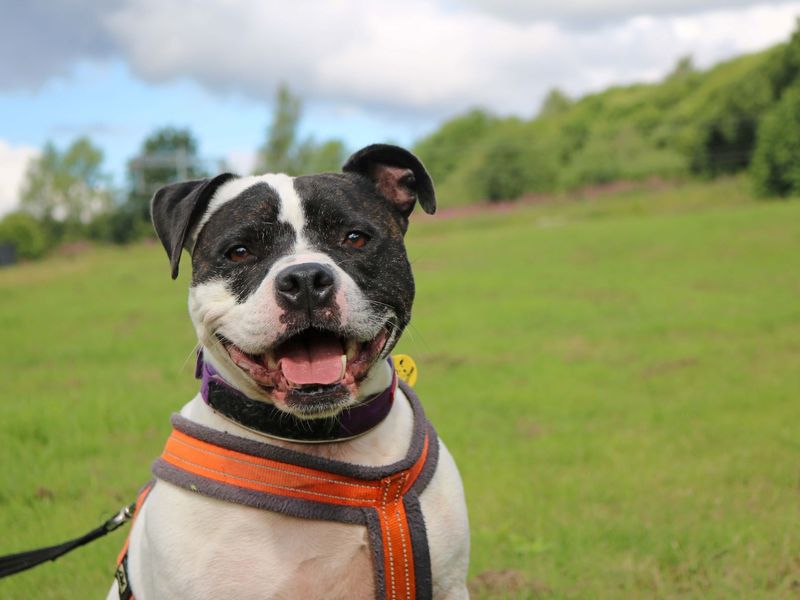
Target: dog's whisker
(191, 356)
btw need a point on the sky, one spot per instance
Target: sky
(367, 70)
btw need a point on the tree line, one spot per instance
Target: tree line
(739, 116)
(66, 195)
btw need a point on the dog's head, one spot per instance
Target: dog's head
(300, 286)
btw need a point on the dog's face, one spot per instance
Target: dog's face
(300, 286)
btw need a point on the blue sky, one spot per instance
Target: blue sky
(109, 104)
(115, 70)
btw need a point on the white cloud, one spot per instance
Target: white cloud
(591, 11)
(13, 163)
(424, 56)
(431, 57)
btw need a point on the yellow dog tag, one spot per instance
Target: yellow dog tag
(406, 368)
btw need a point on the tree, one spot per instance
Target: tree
(724, 138)
(682, 69)
(784, 67)
(67, 187)
(276, 154)
(311, 157)
(555, 103)
(504, 171)
(445, 149)
(284, 153)
(776, 162)
(168, 155)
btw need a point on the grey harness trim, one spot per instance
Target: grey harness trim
(307, 509)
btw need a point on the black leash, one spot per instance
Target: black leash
(15, 563)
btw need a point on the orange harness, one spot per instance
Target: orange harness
(384, 499)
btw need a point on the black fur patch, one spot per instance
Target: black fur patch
(249, 220)
(336, 204)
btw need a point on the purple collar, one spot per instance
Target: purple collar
(269, 420)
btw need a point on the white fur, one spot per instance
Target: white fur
(184, 545)
(291, 208)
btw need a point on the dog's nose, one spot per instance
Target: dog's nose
(305, 286)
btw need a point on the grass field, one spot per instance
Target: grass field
(618, 380)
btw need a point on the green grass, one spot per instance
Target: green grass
(618, 380)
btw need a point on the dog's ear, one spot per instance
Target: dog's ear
(177, 207)
(398, 175)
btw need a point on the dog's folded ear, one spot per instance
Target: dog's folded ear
(398, 175)
(177, 207)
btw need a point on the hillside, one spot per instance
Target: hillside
(692, 124)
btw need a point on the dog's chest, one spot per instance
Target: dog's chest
(186, 545)
(211, 549)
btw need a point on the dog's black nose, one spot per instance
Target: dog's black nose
(305, 286)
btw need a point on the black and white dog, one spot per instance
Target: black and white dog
(300, 289)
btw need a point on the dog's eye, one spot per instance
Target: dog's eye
(238, 253)
(356, 239)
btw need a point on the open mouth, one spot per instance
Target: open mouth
(313, 366)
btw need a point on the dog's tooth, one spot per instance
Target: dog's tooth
(344, 366)
(352, 349)
(272, 364)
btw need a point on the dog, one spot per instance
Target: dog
(301, 287)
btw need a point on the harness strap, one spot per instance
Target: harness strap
(385, 495)
(123, 581)
(264, 475)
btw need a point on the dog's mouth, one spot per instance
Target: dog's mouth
(312, 371)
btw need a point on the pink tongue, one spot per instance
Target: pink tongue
(312, 359)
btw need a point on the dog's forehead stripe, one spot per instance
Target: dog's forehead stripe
(291, 211)
(224, 194)
(291, 207)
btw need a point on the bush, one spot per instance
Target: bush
(513, 162)
(25, 233)
(503, 172)
(120, 226)
(621, 155)
(776, 163)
